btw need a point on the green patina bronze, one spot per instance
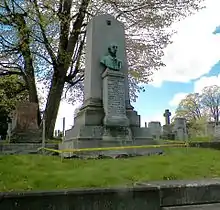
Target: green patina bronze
(111, 61)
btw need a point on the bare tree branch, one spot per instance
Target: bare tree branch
(46, 41)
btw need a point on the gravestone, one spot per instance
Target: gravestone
(210, 129)
(155, 129)
(9, 131)
(167, 128)
(24, 127)
(217, 132)
(167, 115)
(106, 117)
(180, 129)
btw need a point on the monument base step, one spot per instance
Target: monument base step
(86, 132)
(26, 137)
(80, 144)
(24, 148)
(115, 154)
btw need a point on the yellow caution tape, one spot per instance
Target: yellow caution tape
(173, 141)
(115, 148)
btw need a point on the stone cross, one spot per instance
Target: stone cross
(167, 115)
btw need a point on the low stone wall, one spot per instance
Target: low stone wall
(23, 148)
(31, 148)
(164, 195)
(211, 144)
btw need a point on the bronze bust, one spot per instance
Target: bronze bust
(111, 61)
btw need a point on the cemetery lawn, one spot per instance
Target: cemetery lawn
(33, 172)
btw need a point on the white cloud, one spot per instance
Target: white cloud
(177, 98)
(195, 49)
(193, 52)
(206, 81)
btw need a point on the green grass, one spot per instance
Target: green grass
(32, 172)
(201, 138)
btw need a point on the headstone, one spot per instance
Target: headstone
(210, 128)
(9, 131)
(167, 128)
(12, 117)
(24, 127)
(180, 129)
(167, 115)
(106, 117)
(55, 133)
(155, 129)
(217, 132)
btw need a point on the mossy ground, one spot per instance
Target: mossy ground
(38, 172)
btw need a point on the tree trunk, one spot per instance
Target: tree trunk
(67, 43)
(30, 82)
(53, 103)
(29, 76)
(33, 97)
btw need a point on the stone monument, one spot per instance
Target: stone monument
(167, 115)
(167, 128)
(216, 133)
(179, 129)
(106, 117)
(23, 125)
(155, 129)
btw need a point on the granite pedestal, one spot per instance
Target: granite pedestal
(106, 118)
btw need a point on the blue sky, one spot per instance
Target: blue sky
(152, 107)
(192, 62)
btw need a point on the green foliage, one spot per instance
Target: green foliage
(190, 107)
(12, 90)
(201, 138)
(201, 106)
(211, 100)
(197, 127)
(48, 29)
(47, 37)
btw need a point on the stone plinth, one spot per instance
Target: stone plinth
(106, 117)
(24, 123)
(167, 132)
(116, 123)
(180, 129)
(155, 129)
(210, 129)
(114, 99)
(217, 132)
